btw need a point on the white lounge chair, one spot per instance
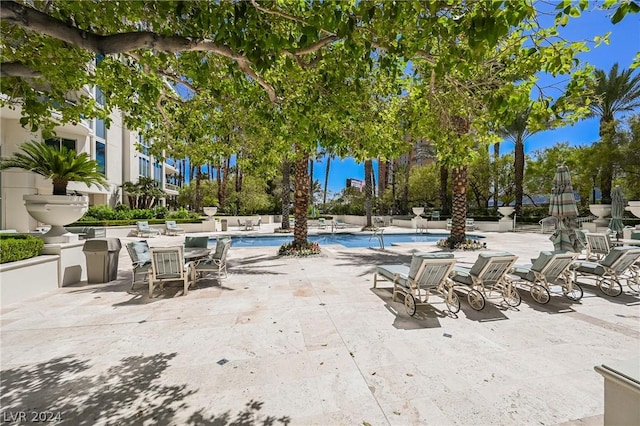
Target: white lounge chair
(486, 276)
(609, 272)
(144, 230)
(167, 264)
(428, 273)
(598, 245)
(172, 228)
(550, 268)
(470, 224)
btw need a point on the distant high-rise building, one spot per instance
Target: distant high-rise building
(355, 183)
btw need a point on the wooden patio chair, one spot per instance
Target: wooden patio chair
(167, 265)
(216, 262)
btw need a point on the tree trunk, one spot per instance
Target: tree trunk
(444, 196)
(301, 199)
(405, 190)
(238, 186)
(198, 192)
(607, 132)
(311, 181)
(394, 205)
(459, 204)
(326, 180)
(286, 193)
(60, 186)
(368, 190)
(518, 170)
(496, 173)
(383, 173)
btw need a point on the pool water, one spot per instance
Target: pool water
(347, 240)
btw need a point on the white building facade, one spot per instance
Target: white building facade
(114, 149)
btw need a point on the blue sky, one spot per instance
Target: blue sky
(625, 42)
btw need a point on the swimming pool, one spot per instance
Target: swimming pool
(345, 239)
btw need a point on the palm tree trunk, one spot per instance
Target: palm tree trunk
(301, 199)
(326, 180)
(238, 186)
(368, 190)
(444, 196)
(459, 204)
(286, 192)
(518, 170)
(198, 192)
(311, 161)
(496, 172)
(607, 132)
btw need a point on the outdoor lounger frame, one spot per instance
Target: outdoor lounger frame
(486, 277)
(550, 268)
(608, 273)
(428, 273)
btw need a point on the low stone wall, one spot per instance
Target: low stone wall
(28, 278)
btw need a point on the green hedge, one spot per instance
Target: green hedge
(18, 247)
(130, 222)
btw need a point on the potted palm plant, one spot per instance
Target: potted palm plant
(61, 166)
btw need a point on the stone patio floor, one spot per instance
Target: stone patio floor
(306, 341)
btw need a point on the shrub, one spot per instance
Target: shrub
(467, 244)
(100, 213)
(19, 247)
(182, 213)
(291, 249)
(142, 214)
(160, 212)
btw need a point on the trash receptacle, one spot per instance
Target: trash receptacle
(223, 224)
(102, 259)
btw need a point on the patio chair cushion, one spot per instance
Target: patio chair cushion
(591, 268)
(199, 242)
(390, 272)
(140, 249)
(217, 254)
(418, 257)
(613, 256)
(543, 259)
(524, 272)
(483, 259)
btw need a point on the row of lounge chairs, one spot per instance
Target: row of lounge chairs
(144, 230)
(154, 266)
(496, 275)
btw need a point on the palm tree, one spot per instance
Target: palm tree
(60, 165)
(518, 132)
(614, 93)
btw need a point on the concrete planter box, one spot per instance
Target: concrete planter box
(28, 278)
(621, 392)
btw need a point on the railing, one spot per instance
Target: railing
(171, 187)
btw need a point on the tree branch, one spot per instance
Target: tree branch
(34, 20)
(17, 69)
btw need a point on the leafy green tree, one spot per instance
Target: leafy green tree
(613, 93)
(60, 165)
(629, 143)
(424, 184)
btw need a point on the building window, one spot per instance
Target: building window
(100, 128)
(101, 157)
(144, 166)
(157, 172)
(70, 144)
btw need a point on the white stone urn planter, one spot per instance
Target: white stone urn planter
(418, 211)
(602, 211)
(210, 212)
(634, 208)
(57, 211)
(506, 211)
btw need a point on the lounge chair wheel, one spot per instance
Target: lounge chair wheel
(511, 296)
(575, 294)
(476, 300)
(453, 302)
(633, 284)
(410, 304)
(610, 287)
(540, 294)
